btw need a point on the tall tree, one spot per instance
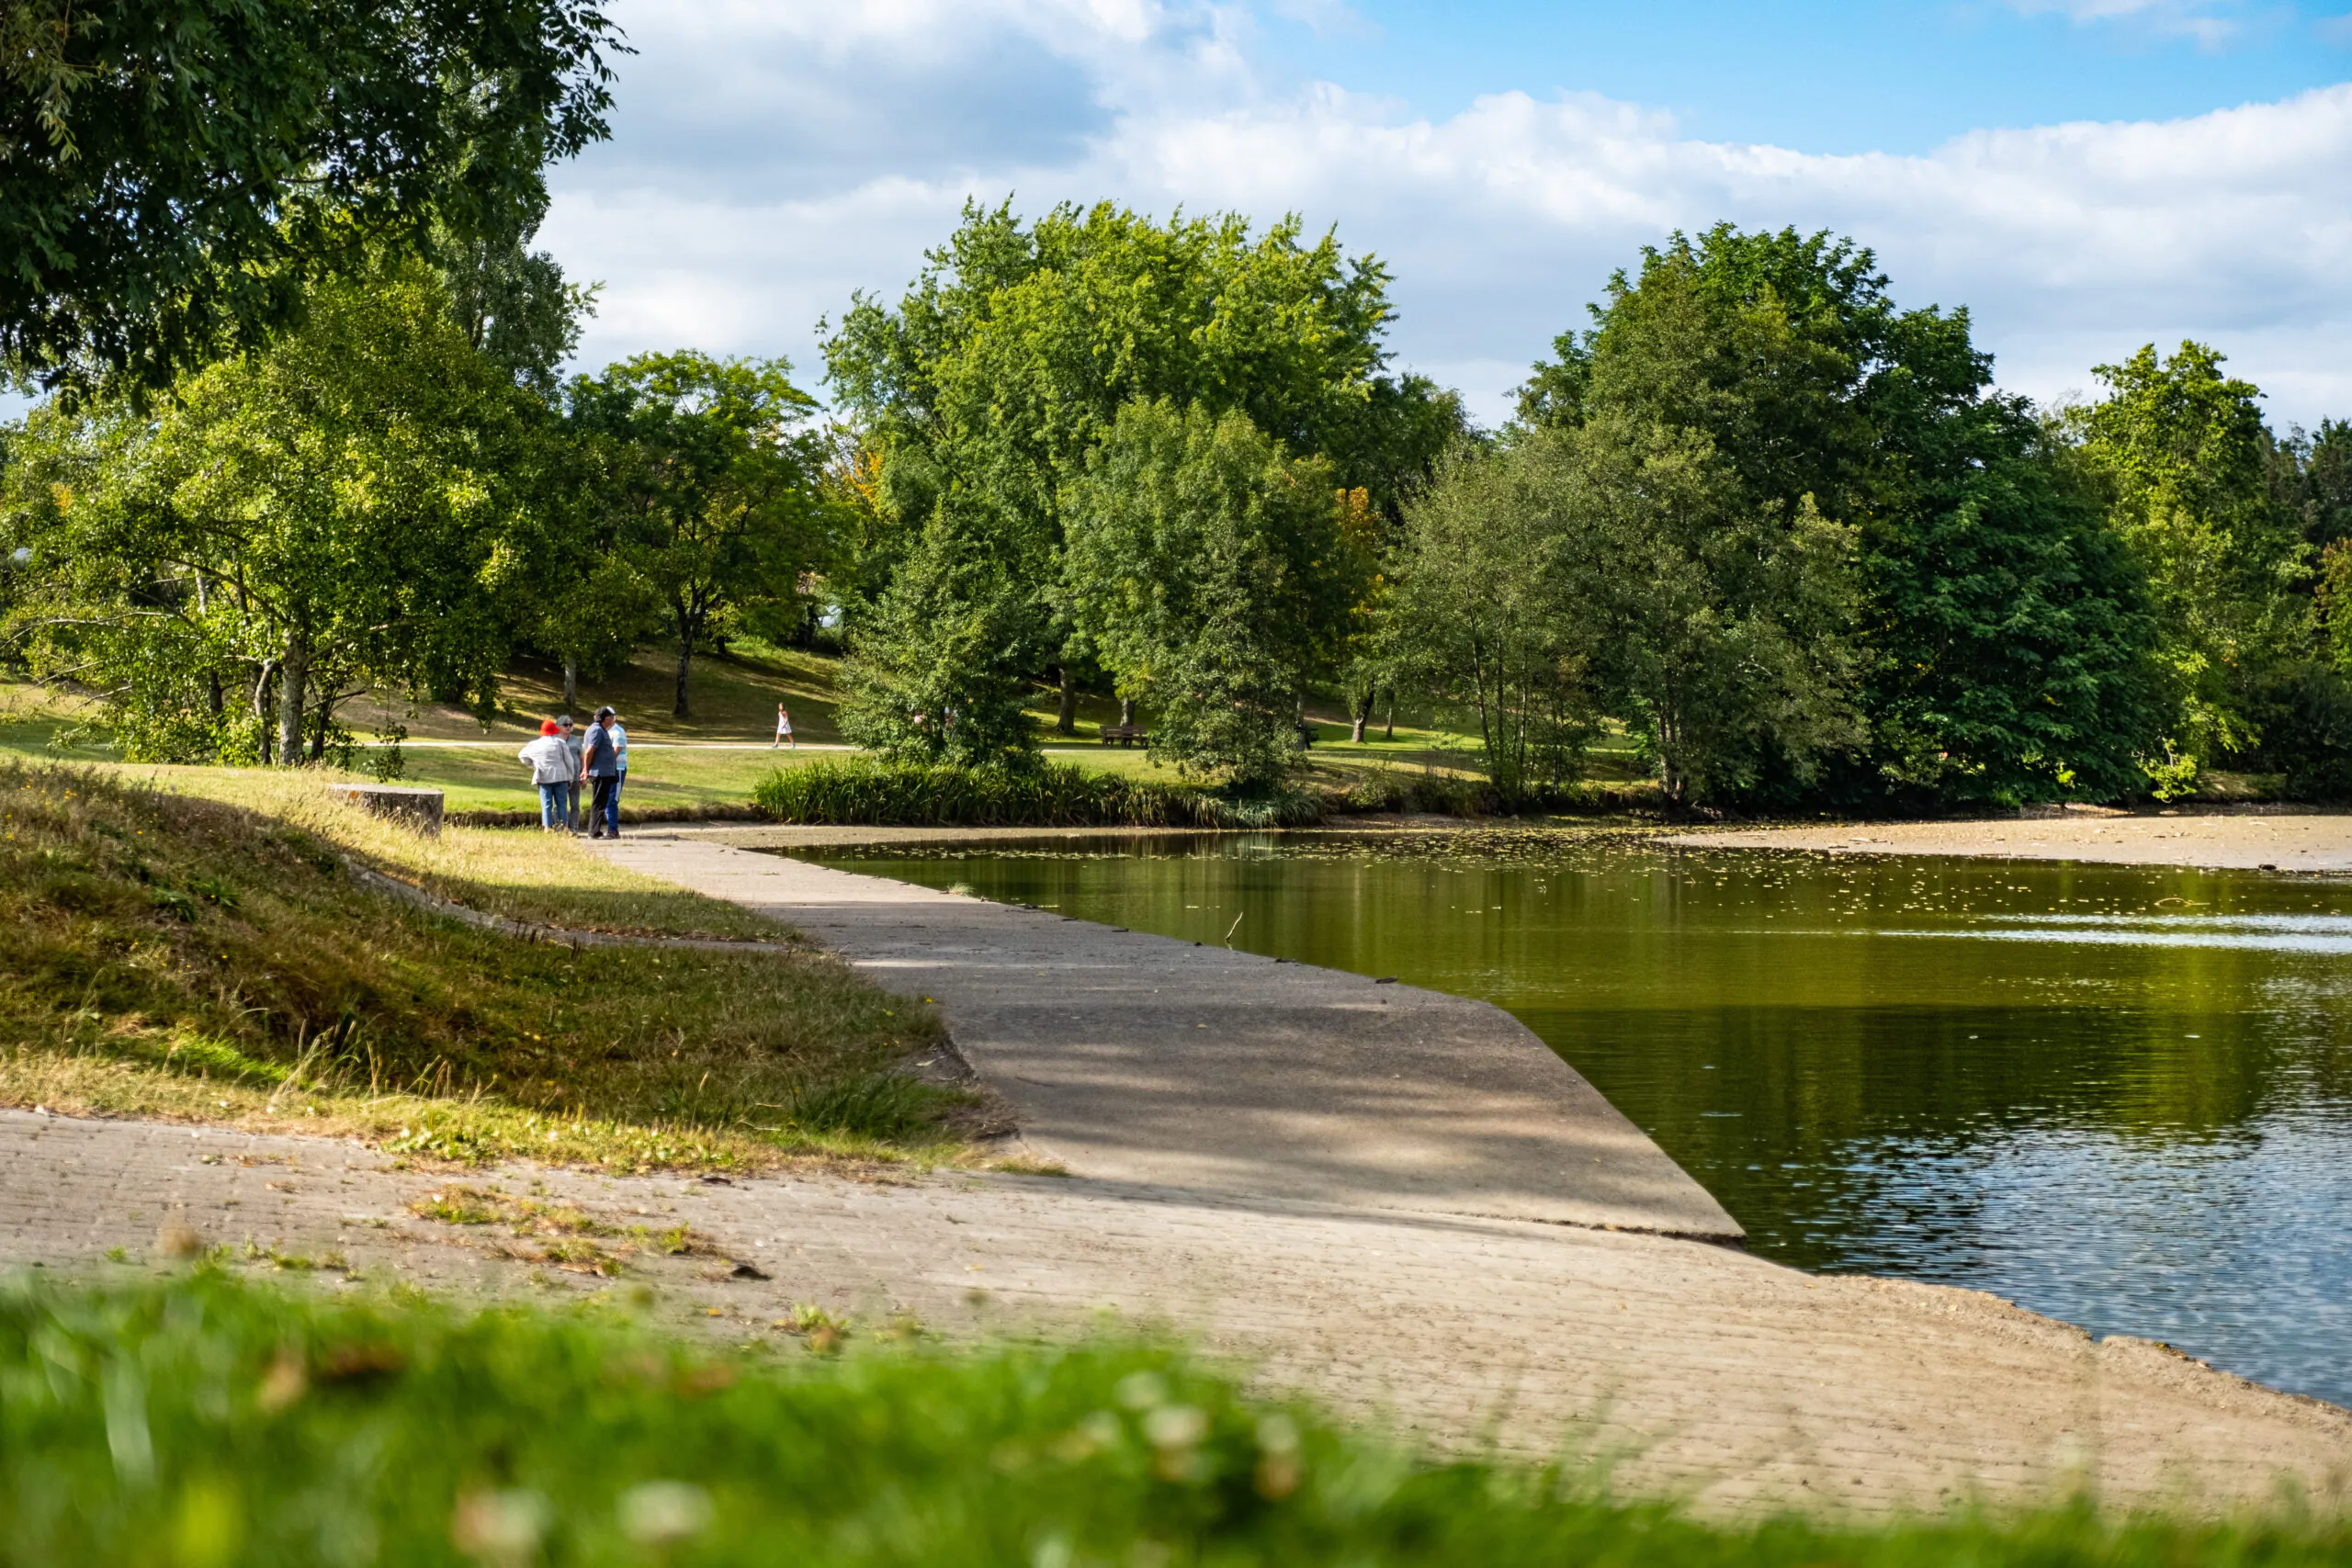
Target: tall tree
(1009, 359)
(720, 485)
(1496, 612)
(2184, 453)
(174, 172)
(2003, 656)
(348, 508)
(1208, 570)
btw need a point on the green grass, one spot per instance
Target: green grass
(714, 762)
(165, 954)
(202, 1422)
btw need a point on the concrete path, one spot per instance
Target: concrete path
(1699, 1371)
(1141, 1059)
(2283, 841)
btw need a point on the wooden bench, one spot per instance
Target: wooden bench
(1124, 735)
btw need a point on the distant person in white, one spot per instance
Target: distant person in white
(620, 750)
(783, 731)
(551, 766)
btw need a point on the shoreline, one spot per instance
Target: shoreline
(2310, 842)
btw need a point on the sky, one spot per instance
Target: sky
(2085, 175)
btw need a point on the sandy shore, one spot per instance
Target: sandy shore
(2283, 841)
(1705, 1373)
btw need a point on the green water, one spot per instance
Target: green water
(2117, 1095)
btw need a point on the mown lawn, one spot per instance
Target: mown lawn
(196, 1422)
(210, 956)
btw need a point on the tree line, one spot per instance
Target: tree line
(316, 438)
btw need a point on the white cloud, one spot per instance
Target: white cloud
(2211, 23)
(768, 163)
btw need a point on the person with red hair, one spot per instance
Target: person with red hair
(551, 766)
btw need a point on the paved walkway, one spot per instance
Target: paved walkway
(1138, 1059)
(1702, 1373)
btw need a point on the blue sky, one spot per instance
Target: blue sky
(2087, 175)
(1896, 77)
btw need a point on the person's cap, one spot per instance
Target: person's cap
(548, 727)
(604, 713)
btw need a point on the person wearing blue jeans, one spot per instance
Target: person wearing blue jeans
(600, 770)
(550, 762)
(573, 741)
(620, 779)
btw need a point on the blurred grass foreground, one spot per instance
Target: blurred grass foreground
(196, 1422)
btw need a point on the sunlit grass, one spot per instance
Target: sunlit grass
(213, 958)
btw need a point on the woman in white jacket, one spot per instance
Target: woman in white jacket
(552, 765)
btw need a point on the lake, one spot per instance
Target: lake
(2120, 1096)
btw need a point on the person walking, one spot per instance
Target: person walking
(550, 762)
(783, 731)
(620, 758)
(600, 769)
(572, 740)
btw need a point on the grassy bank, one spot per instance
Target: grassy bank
(199, 1423)
(163, 953)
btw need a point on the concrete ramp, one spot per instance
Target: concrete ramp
(1138, 1059)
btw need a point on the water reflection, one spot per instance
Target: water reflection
(2118, 1094)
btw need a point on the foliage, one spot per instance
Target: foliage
(172, 174)
(1207, 569)
(1496, 612)
(226, 1422)
(1997, 643)
(715, 477)
(348, 508)
(935, 675)
(204, 942)
(2183, 451)
(1009, 358)
(886, 791)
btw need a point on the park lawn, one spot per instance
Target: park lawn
(188, 943)
(199, 1420)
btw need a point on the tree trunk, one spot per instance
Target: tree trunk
(1127, 711)
(686, 664)
(261, 709)
(293, 695)
(1066, 712)
(212, 695)
(1392, 712)
(571, 682)
(1361, 717)
(325, 714)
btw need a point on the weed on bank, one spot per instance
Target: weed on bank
(199, 1423)
(163, 955)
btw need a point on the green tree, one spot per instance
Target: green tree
(349, 509)
(1496, 612)
(1009, 358)
(2184, 455)
(172, 172)
(1207, 569)
(2001, 636)
(937, 675)
(719, 483)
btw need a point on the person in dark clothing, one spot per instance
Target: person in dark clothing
(600, 769)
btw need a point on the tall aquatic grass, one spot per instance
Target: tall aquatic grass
(877, 792)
